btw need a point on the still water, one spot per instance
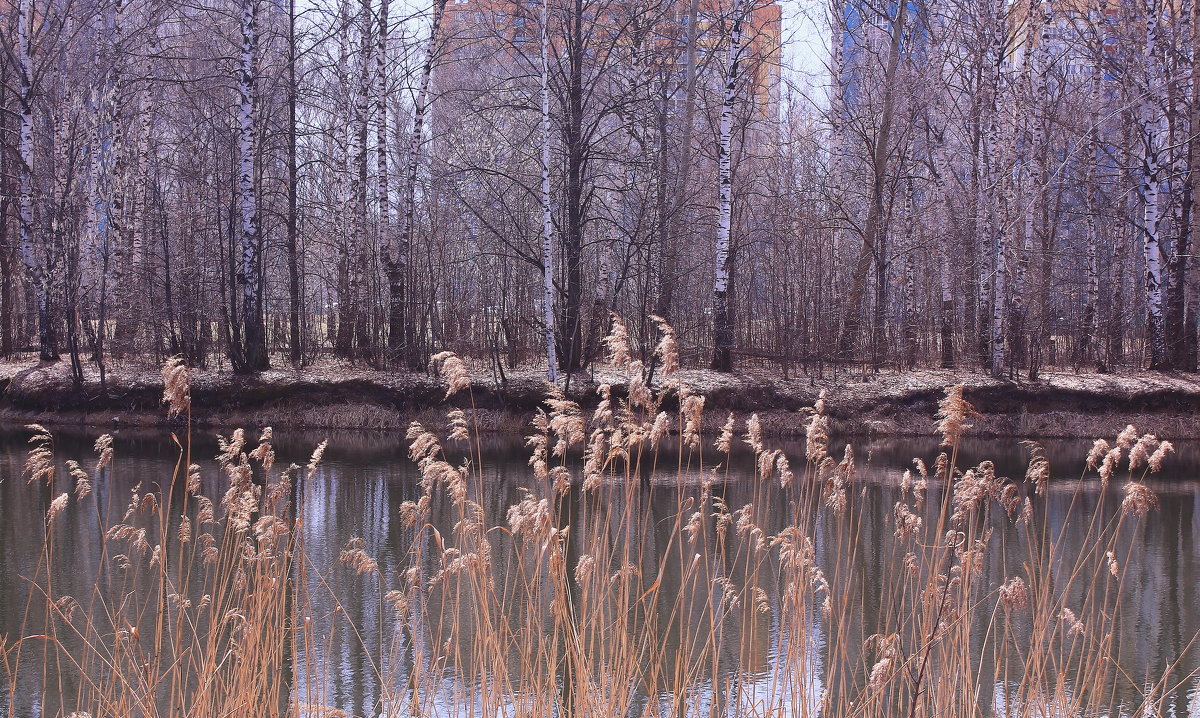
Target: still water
(365, 477)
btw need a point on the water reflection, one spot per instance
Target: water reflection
(760, 659)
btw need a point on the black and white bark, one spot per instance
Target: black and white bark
(722, 312)
(295, 329)
(33, 249)
(355, 311)
(1091, 309)
(1031, 84)
(998, 151)
(547, 216)
(252, 355)
(1151, 124)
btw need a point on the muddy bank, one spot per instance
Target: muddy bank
(340, 397)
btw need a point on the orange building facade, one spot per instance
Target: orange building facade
(517, 22)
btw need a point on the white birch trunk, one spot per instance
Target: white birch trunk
(722, 323)
(947, 309)
(253, 355)
(342, 131)
(29, 256)
(1091, 310)
(381, 123)
(342, 116)
(1032, 74)
(34, 257)
(1150, 120)
(139, 202)
(999, 306)
(940, 203)
(1001, 154)
(725, 165)
(384, 229)
(547, 219)
(909, 324)
(837, 107)
(353, 312)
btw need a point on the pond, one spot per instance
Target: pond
(366, 651)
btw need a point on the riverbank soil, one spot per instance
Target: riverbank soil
(339, 396)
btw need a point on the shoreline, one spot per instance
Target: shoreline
(1061, 405)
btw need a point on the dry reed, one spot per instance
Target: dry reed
(206, 608)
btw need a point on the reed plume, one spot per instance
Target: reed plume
(606, 584)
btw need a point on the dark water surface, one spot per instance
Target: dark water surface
(365, 477)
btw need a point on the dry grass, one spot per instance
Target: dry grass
(565, 609)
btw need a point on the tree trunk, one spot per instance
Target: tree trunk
(999, 304)
(601, 307)
(941, 171)
(253, 354)
(8, 312)
(1192, 341)
(385, 231)
(34, 257)
(1150, 121)
(947, 314)
(1032, 81)
(355, 311)
(1184, 334)
(343, 330)
(295, 331)
(1091, 309)
(547, 219)
(722, 316)
(570, 329)
(874, 227)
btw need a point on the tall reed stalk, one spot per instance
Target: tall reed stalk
(621, 582)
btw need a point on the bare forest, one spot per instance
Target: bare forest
(975, 220)
(1002, 185)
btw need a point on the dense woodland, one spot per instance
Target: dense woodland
(1003, 184)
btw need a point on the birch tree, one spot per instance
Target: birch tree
(722, 316)
(921, 220)
(1150, 120)
(252, 355)
(997, 150)
(9, 281)
(1027, 105)
(1179, 72)
(354, 312)
(547, 217)
(34, 252)
(295, 298)
(384, 229)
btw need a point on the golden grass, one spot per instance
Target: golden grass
(565, 607)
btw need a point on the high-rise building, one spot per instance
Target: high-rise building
(1065, 27)
(472, 27)
(866, 32)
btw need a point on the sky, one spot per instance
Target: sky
(805, 47)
